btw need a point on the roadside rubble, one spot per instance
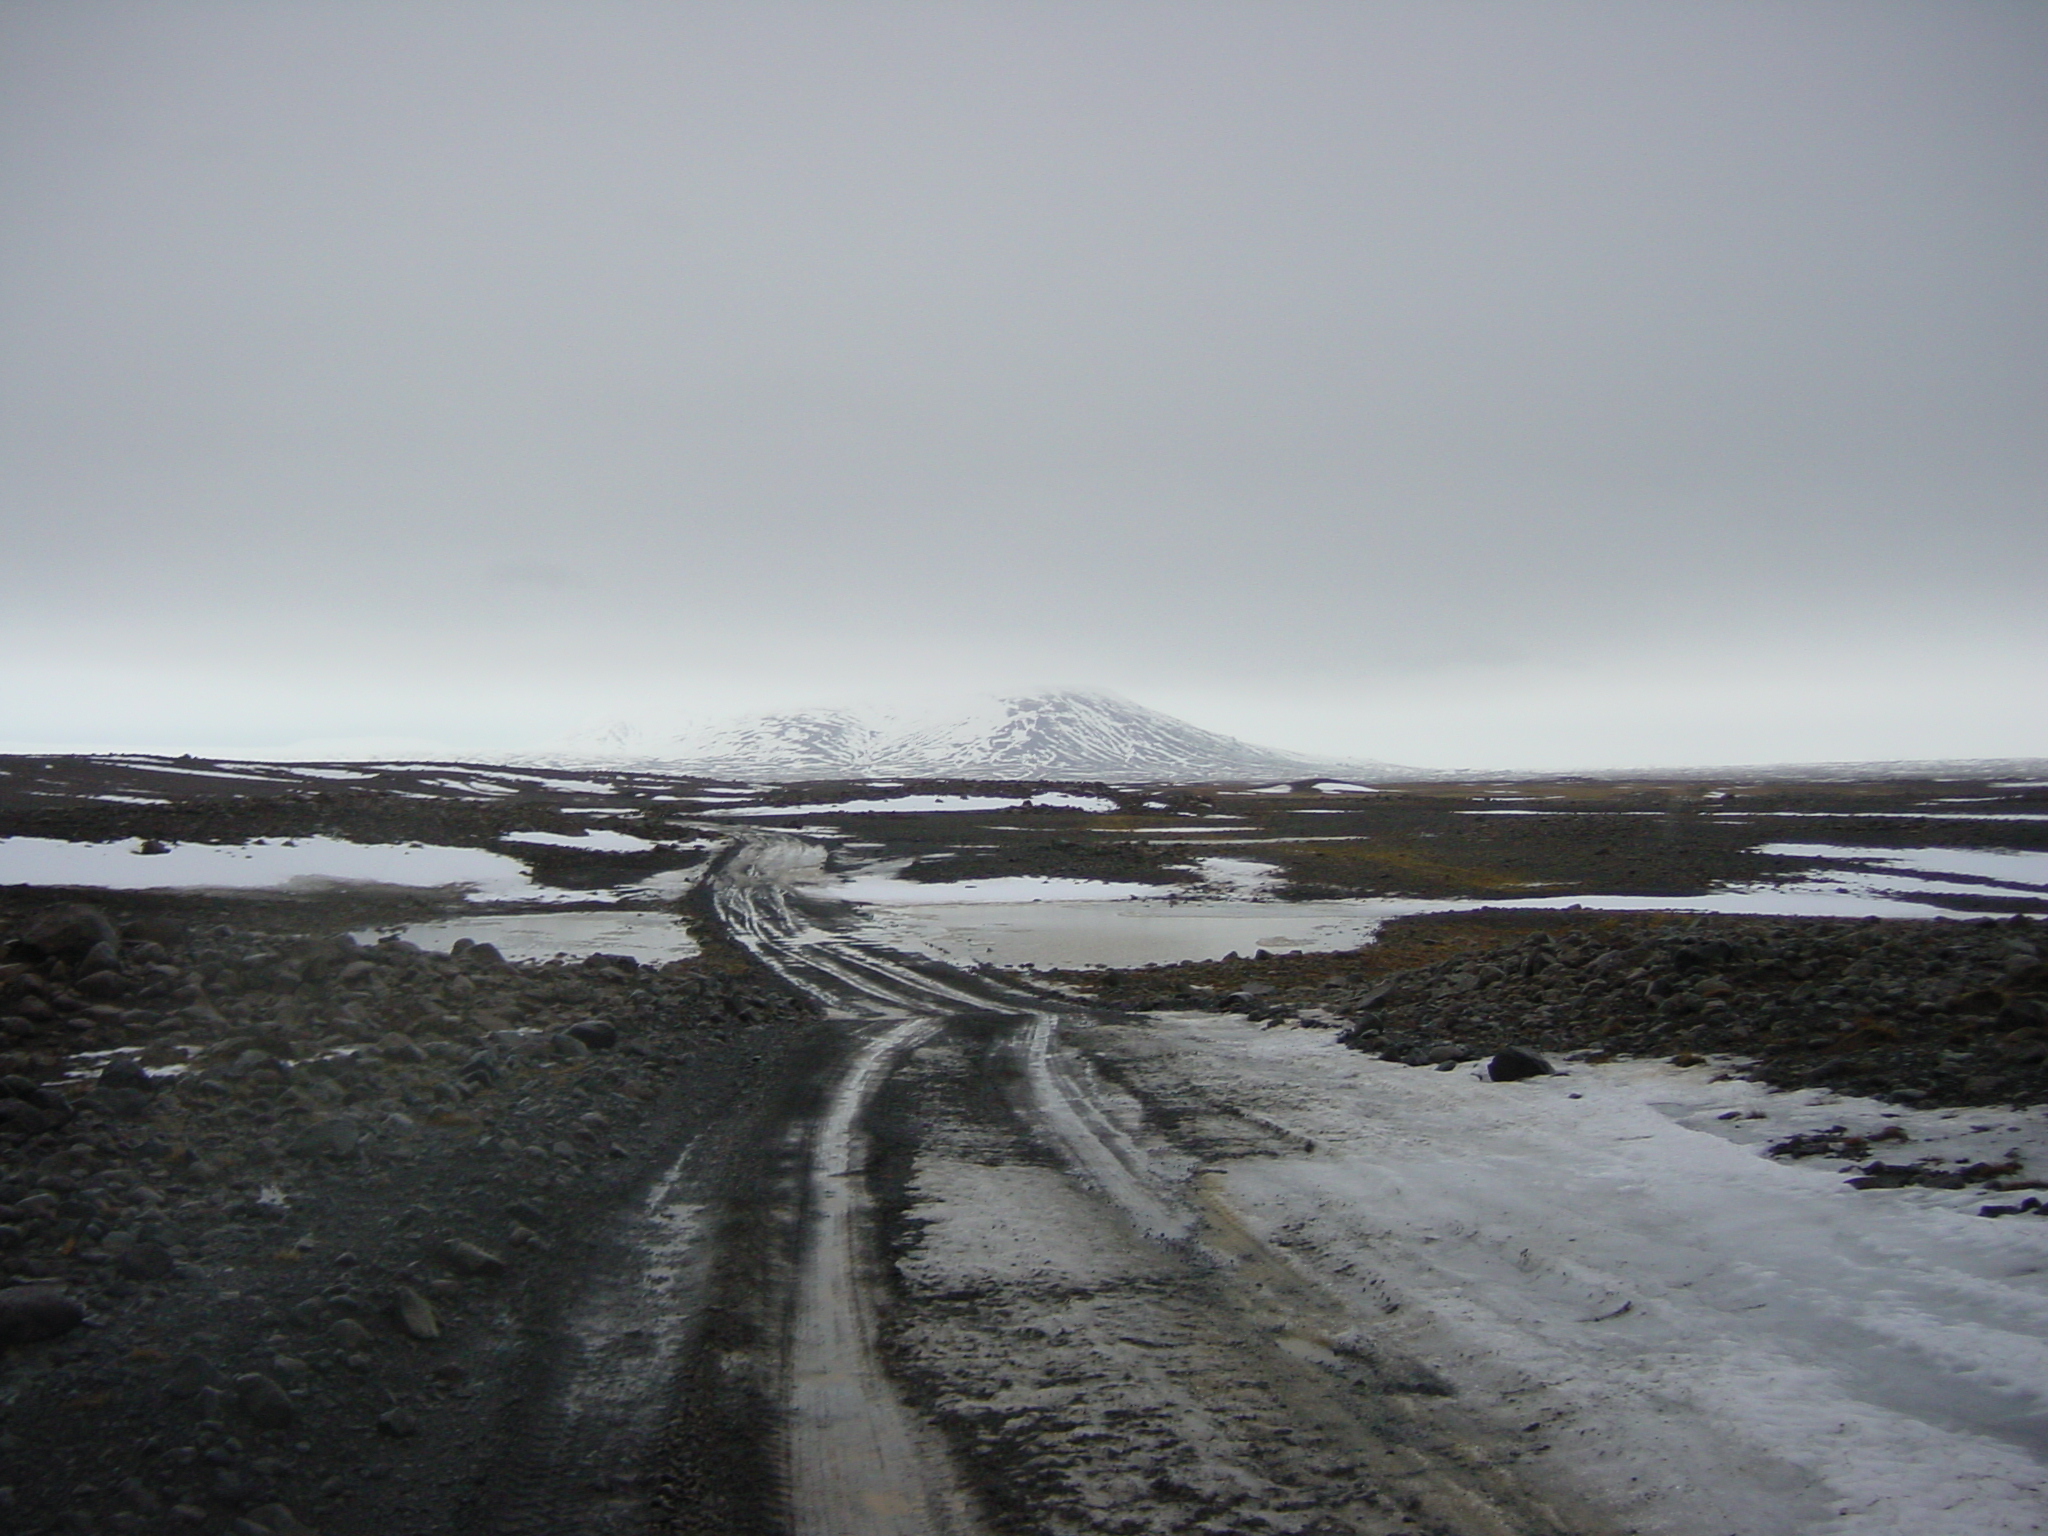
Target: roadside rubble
(276, 1208)
(1932, 1013)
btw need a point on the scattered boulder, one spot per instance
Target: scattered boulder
(20, 1118)
(1515, 1063)
(103, 956)
(337, 1137)
(416, 1314)
(598, 1034)
(265, 1402)
(67, 933)
(126, 1072)
(470, 1259)
(189, 1374)
(32, 1313)
(146, 1261)
(278, 1520)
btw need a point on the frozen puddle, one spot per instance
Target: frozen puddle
(1933, 871)
(925, 804)
(999, 890)
(652, 938)
(1701, 1338)
(972, 923)
(305, 863)
(262, 863)
(1121, 933)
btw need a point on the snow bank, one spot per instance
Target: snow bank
(1704, 1338)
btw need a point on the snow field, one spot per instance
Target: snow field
(1708, 1340)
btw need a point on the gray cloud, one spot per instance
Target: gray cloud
(1361, 374)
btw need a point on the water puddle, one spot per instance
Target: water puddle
(882, 890)
(1929, 873)
(652, 938)
(299, 864)
(1126, 933)
(1163, 931)
(926, 804)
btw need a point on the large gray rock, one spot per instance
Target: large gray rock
(68, 932)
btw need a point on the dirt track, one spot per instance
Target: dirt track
(670, 1286)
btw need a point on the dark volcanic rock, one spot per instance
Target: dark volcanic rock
(597, 1034)
(31, 1314)
(1514, 1064)
(66, 933)
(265, 1402)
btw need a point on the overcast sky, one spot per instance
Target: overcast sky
(1507, 384)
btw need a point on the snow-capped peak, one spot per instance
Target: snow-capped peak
(1057, 733)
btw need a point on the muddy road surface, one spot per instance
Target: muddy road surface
(988, 1295)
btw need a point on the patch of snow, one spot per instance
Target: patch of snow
(1240, 877)
(282, 776)
(905, 803)
(881, 890)
(304, 770)
(1862, 815)
(1705, 1339)
(270, 863)
(1339, 787)
(596, 840)
(2024, 869)
(474, 786)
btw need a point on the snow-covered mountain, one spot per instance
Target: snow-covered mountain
(1063, 733)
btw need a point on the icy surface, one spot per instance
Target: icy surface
(285, 863)
(922, 803)
(650, 937)
(1126, 932)
(593, 841)
(1240, 877)
(258, 864)
(1035, 920)
(1870, 815)
(2020, 868)
(1707, 1339)
(883, 890)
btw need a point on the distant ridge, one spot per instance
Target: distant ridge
(1061, 733)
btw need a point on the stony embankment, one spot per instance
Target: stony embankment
(1942, 1013)
(1938, 1012)
(276, 1210)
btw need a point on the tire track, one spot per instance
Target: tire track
(859, 1463)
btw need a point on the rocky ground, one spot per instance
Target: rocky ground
(285, 1218)
(1926, 1013)
(288, 1223)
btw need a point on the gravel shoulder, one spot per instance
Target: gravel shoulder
(295, 1226)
